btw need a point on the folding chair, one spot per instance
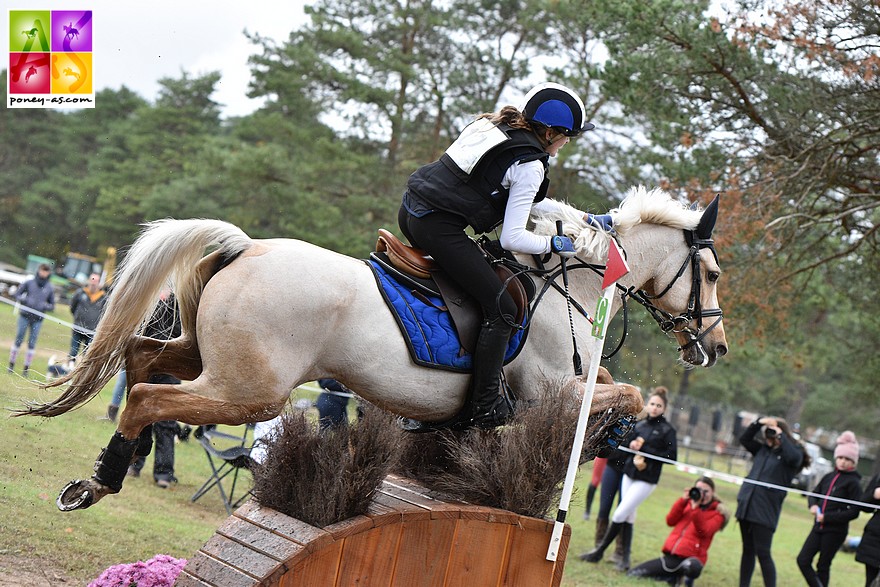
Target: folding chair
(224, 462)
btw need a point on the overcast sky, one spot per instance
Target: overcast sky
(136, 43)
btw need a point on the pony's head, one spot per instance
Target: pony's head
(680, 290)
(681, 293)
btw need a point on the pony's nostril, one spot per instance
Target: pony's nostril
(721, 350)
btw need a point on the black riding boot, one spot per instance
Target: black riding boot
(488, 408)
(596, 554)
(626, 537)
(485, 405)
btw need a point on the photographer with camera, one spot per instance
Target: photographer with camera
(776, 458)
(695, 517)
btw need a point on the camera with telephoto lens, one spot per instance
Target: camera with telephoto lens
(695, 494)
(769, 433)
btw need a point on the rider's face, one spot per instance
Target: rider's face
(558, 141)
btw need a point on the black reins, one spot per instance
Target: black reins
(666, 321)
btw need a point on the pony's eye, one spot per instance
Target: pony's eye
(713, 276)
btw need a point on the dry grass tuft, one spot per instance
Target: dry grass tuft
(325, 477)
(519, 467)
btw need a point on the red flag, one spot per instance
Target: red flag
(616, 266)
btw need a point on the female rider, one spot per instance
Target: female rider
(494, 173)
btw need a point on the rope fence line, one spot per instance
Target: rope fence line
(737, 480)
(19, 307)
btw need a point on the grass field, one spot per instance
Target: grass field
(37, 457)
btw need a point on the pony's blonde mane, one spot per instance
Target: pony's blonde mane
(640, 205)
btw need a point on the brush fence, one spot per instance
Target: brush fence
(410, 537)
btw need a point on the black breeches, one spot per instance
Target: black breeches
(826, 544)
(443, 236)
(757, 541)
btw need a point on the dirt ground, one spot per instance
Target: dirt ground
(16, 571)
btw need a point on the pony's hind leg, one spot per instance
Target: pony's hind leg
(152, 402)
(148, 356)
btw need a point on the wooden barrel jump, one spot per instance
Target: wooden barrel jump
(410, 537)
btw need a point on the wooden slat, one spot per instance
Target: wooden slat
(478, 553)
(240, 556)
(259, 538)
(298, 531)
(215, 572)
(527, 562)
(424, 553)
(415, 495)
(318, 570)
(407, 510)
(350, 526)
(184, 579)
(368, 558)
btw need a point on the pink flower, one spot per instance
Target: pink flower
(159, 571)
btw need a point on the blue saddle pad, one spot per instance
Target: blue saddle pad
(429, 332)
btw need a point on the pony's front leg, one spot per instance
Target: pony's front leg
(110, 470)
(621, 397)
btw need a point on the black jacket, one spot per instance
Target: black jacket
(778, 466)
(868, 552)
(660, 440)
(87, 309)
(164, 325)
(838, 515)
(478, 197)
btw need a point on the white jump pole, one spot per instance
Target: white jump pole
(615, 268)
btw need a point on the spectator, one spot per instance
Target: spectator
(34, 294)
(654, 436)
(599, 464)
(695, 519)
(777, 458)
(868, 552)
(86, 306)
(116, 398)
(164, 325)
(832, 517)
(332, 403)
(609, 488)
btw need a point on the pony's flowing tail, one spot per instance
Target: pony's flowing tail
(165, 254)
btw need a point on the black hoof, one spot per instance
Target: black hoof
(75, 496)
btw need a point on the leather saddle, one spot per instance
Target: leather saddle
(417, 271)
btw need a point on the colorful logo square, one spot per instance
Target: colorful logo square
(29, 73)
(71, 30)
(29, 31)
(71, 73)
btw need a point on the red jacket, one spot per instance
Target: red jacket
(693, 528)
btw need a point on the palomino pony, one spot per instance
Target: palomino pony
(260, 317)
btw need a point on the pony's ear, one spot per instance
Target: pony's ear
(707, 220)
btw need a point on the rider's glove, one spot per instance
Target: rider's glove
(562, 246)
(601, 221)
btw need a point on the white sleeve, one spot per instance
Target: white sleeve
(523, 181)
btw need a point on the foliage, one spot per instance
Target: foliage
(326, 476)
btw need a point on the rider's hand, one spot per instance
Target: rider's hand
(562, 246)
(600, 221)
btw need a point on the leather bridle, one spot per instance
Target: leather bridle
(695, 310)
(666, 321)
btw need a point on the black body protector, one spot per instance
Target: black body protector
(466, 180)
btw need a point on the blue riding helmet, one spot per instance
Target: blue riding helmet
(558, 107)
